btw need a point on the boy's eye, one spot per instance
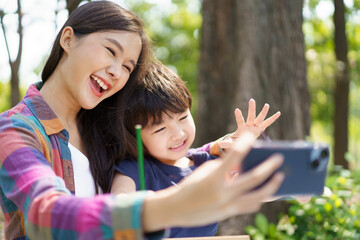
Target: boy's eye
(184, 117)
(111, 51)
(159, 130)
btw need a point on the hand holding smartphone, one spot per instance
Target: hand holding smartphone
(305, 165)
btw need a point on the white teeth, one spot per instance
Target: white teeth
(101, 83)
(178, 145)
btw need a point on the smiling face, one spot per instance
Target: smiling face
(97, 65)
(170, 140)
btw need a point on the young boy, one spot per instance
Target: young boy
(162, 106)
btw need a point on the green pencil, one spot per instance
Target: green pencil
(140, 157)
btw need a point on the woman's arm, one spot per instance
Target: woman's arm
(31, 191)
(193, 202)
(50, 212)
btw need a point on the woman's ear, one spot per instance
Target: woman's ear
(67, 36)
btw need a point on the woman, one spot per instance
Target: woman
(100, 49)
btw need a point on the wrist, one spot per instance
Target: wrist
(215, 148)
(224, 138)
(227, 136)
(160, 210)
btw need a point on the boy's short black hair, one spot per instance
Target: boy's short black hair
(160, 91)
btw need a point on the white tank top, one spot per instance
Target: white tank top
(84, 181)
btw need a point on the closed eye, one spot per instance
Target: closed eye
(184, 117)
(111, 51)
(128, 68)
(159, 130)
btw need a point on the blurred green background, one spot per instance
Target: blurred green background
(175, 27)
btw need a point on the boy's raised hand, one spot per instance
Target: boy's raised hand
(254, 124)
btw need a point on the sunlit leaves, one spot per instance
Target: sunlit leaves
(174, 28)
(321, 65)
(324, 217)
(4, 96)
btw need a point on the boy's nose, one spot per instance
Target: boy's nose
(178, 133)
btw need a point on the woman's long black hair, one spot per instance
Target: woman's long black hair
(90, 18)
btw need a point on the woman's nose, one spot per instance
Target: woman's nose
(114, 71)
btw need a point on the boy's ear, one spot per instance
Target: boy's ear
(66, 38)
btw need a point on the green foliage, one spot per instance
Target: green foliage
(312, 4)
(264, 230)
(4, 96)
(357, 5)
(321, 62)
(174, 29)
(332, 217)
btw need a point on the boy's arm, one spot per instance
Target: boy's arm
(122, 184)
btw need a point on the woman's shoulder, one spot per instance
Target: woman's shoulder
(31, 114)
(19, 127)
(19, 132)
(19, 116)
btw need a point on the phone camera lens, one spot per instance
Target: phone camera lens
(324, 153)
(315, 163)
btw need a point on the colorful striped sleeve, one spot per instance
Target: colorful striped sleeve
(49, 211)
(212, 148)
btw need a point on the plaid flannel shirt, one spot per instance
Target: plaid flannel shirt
(37, 183)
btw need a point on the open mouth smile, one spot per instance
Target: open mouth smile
(99, 85)
(179, 146)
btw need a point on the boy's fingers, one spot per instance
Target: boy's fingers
(262, 115)
(251, 112)
(270, 120)
(239, 118)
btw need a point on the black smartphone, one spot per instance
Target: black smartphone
(305, 165)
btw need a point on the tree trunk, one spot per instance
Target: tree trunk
(342, 82)
(71, 5)
(252, 49)
(14, 65)
(14, 83)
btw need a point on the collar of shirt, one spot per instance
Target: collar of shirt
(42, 110)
